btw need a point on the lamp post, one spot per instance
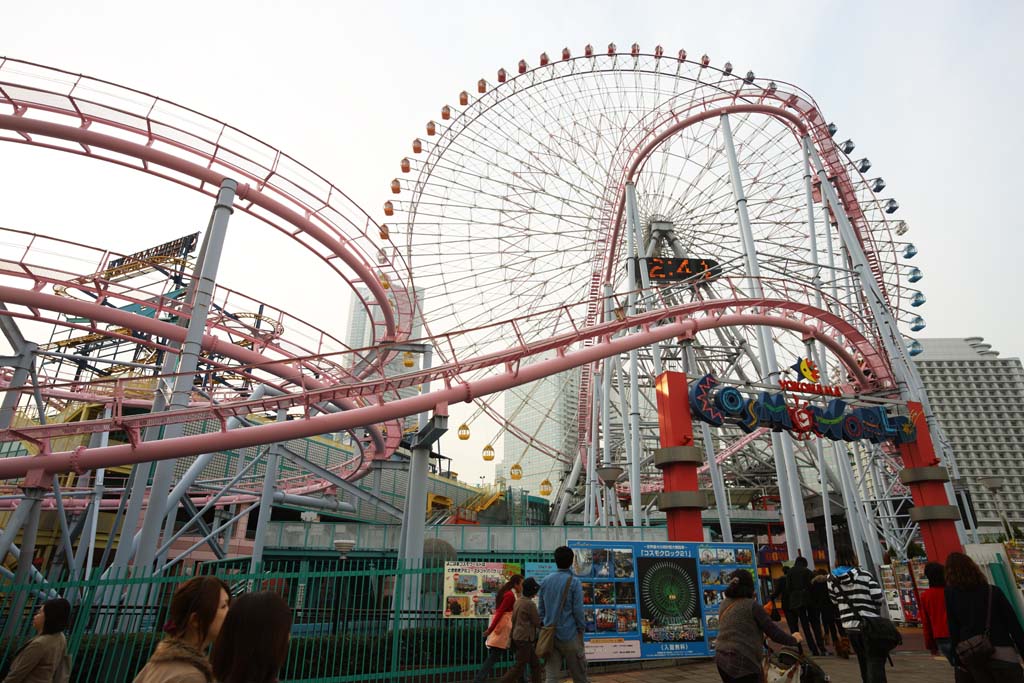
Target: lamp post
(994, 484)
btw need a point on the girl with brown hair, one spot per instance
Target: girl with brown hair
(975, 608)
(504, 601)
(197, 611)
(44, 659)
(253, 643)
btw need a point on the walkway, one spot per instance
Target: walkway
(911, 667)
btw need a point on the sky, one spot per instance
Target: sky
(929, 91)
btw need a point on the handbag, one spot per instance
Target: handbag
(501, 634)
(978, 649)
(546, 639)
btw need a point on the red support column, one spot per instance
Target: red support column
(926, 479)
(678, 459)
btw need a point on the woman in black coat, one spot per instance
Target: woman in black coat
(969, 597)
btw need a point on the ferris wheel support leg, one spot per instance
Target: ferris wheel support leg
(266, 499)
(188, 361)
(717, 481)
(798, 540)
(606, 412)
(569, 487)
(635, 248)
(588, 483)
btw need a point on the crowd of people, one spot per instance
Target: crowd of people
(964, 618)
(214, 639)
(246, 638)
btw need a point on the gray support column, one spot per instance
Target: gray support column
(570, 485)
(188, 360)
(14, 524)
(588, 484)
(798, 539)
(34, 497)
(717, 481)
(266, 499)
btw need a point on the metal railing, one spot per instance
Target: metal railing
(356, 620)
(462, 537)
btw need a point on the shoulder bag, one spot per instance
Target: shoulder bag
(978, 649)
(546, 639)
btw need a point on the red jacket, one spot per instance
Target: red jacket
(508, 601)
(933, 616)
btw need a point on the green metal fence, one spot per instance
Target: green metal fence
(357, 620)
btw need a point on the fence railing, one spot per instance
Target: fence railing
(462, 537)
(357, 620)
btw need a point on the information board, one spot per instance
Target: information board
(654, 600)
(891, 591)
(470, 587)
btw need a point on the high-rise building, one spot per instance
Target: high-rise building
(978, 399)
(359, 335)
(545, 411)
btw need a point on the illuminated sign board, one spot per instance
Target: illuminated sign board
(718, 406)
(681, 269)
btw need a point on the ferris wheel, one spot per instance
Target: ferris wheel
(514, 210)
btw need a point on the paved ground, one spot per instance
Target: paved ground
(913, 664)
(911, 667)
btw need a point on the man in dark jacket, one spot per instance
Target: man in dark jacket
(798, 587)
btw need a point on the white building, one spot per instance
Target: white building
(544, 410)
(978, 398)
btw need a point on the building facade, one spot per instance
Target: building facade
(978, 398)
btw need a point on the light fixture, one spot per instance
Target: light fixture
(609, 474)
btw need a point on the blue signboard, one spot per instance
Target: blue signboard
(539, 570)
(654, 600)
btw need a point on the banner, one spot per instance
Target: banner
(470, 587)
(654, 600)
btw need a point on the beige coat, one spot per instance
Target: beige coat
(175, 661)
(525, 619)
(43, 660)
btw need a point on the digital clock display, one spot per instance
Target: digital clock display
(681, 269)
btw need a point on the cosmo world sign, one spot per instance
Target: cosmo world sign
(717, 405)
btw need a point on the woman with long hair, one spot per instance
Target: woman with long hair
(253, 642)
(197, 612)
(44, 659)
(742, 627)
(933, 612)
(504, 601)
(975, 607)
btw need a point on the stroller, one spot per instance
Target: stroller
(792, 665)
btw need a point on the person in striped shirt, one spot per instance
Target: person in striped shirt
(857, 595)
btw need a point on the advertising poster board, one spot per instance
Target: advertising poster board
(892, 593)
(470, 587)
(539, 570)
(1015, 554)
(908, 594)
(654, 600)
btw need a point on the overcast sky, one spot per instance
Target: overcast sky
(929, 91)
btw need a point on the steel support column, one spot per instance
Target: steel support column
(798, 540)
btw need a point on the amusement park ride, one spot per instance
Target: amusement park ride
(644, 217)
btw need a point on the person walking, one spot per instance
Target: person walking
(824, 613)
(780, 600)
(742, 627)
(561, 605)
(933, 612)
(197, 612)
(253, 643)
(44, 659)
(857, 595)
(500, 626)
(974, 607)
(798, 585)
(525, 623)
